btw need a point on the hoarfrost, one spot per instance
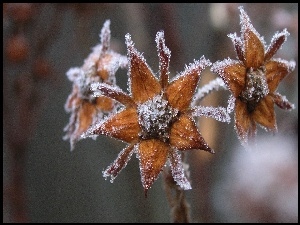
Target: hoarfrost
(178, 171)
(219, 113)
(213, 85)
(231, 104)
(276, 43)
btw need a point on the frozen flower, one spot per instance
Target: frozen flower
(100, 66)
(156, 121)
(253, 79)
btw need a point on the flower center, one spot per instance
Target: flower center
(155, 118)
(256, 88)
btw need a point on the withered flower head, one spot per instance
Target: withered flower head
(100, 66)
(254, 78)
(156, 120)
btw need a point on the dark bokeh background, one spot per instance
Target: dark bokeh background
(49, 183)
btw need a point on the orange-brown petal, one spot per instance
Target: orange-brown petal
(164, 55)
(86, 115)
(180, 91)
(124, 126)
(253, 46)
(275, 72)
(244, 125)
(233, 73)
(264, 113)
(152, 155)
(143, 84)
(184, 135)
(104, 103)
(254, 50)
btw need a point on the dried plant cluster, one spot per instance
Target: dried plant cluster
(157, 117)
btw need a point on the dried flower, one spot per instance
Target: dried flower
(156, 120)
(100, 66)
(253, 79)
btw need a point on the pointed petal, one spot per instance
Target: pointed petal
(184, 135)
(276, 42)
(105, 36)
(233, 73)
(86, 115)
(182, 89)
(276, 70)
(112, 92)
(123, 126)
(144, 84)
(253, 43)
(244, 125)
(73, 100)
(282, 102)
(238, 46)
(178, 171)
(164, 55)
(264, 114)
(152, 155)
(115, 168)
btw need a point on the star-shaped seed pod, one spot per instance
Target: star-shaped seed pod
(156, 121)
(253, 79)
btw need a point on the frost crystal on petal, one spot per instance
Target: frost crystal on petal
(219, 113)
(213, 85)
(105, 36)
(178, 171)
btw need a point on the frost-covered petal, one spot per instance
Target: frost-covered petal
(238, 46)
(184, 135)
(164, 55)
(244, 125)
(178, 170)
(152, 155)
(112, 92)
(121, 161)
(254, 49)
(264, 114)
(182, 89)
(104, 103)
(276, 70)
(143, 84)
(105, 36)
(86, 115)
(73, 100)
(233, 73)
(276, 42)
(123, 126)
(282, 102)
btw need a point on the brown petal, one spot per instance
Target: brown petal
(264, 113)
(181, 89)
(184, 135)
(282, 102)
(104, 103)
(276, 71)
(277, 40)
(253, 46)
(73, 100)
(114, 169)
(244, 125)
(233, 73)
(85, 117)
(124, 126)
(152, 157)
(164, 55)
(144, 84)
(114, 93)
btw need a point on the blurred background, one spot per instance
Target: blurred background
(43, 181)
